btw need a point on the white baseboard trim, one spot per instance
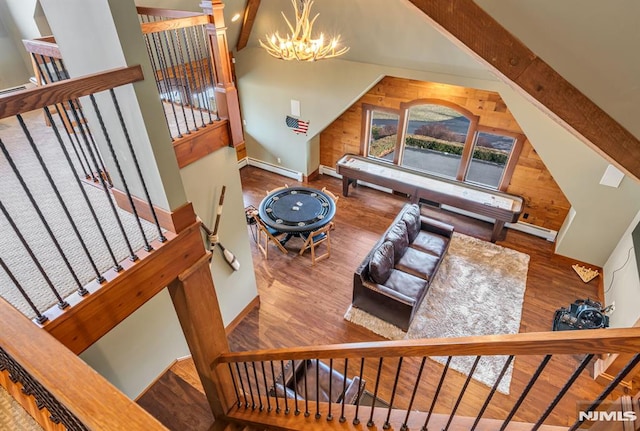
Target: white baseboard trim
(285, 172)
(548, 234)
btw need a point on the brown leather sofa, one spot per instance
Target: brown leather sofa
(395, 276)
(295, 384)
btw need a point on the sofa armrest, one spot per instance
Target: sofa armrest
(353, 392)
(436, 226)
(390, 293)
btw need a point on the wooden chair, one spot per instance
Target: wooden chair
(315, 238)
(277, 188)
(331, 195)
(269, 234)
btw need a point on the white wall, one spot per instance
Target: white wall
(13, 71)
(621, 281)
(140, 348)
(203, 181)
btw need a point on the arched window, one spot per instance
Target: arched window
(435, 138)
(443, 139)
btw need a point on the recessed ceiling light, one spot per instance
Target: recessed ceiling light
(235, 18)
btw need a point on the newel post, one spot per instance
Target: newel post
(196, 303)
(226, 93)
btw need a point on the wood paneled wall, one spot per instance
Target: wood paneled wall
(545, 204)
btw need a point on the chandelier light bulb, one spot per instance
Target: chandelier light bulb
(299, 43)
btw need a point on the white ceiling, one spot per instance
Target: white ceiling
(593, 44)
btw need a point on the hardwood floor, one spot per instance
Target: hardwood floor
(303, 304)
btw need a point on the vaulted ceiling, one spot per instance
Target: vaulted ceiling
(576, 57)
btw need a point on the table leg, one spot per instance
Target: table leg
(345, 186)
(497, 229)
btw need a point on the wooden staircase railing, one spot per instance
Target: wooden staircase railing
(44, 375)
(419, 398)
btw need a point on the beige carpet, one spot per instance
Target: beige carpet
(478, 290)
(13, 417)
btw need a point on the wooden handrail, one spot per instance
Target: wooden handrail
(167, 13)
(173, 24)
(46, 46)
(66, 377)
(70, 89)
(624, 340)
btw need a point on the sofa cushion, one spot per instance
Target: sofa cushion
(419, 263)
(431, 243)
(411, 218)
(381, 263)
(409, 285)
(397, 235)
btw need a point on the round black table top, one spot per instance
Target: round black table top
(297, 209)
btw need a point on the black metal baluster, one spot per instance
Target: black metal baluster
(62, 304)
(83, 124)
(193, 75)
(212, 66)
(132, 151)
(375, 394)
(306, 395)
(175, 76)
(286, 403)
(266, 387)
(404, 427)
(204, 63)
(505, 367)
(253, 401)
(462, 392)
(186, 81)
(132, 256)
(162, 63)
(344, 389)
(610, 388)
(235, 385)
(116, 161)
(75, 142)
(27, 191)
(296, 411)
(81, 289)
(356, 420)
(116, 264)
(40, 318)
(563, 390)
(275, 389)
(437, 393)
(255, 375)
(526, 390)
(244, 392)
(329, 415)
(318, 388)
(387, 425)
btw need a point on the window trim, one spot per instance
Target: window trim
(510, 166)
(367, 109)
(473, 124)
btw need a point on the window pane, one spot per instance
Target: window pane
(490, 156)
(435, 139)
(383, 135)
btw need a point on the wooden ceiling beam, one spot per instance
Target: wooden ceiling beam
(250, 13)
(474, 30)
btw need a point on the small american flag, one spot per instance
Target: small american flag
(298, 126)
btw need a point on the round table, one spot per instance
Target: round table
(297, 209)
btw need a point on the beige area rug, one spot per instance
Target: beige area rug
(13, 416)
(479, 290)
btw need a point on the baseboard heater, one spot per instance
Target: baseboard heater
(285, 172)
(548, 234)
(17, 88)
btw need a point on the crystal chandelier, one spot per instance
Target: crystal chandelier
(299, 44)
